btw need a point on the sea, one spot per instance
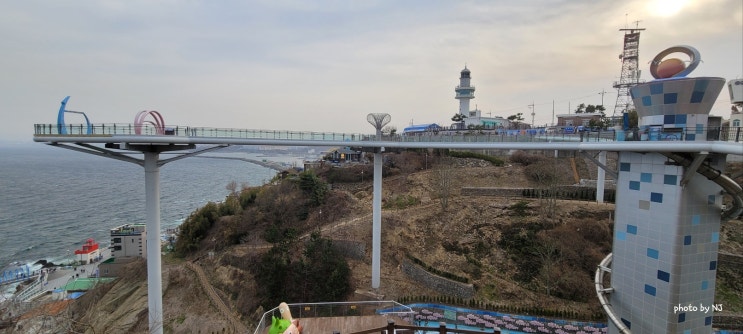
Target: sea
(53, 199)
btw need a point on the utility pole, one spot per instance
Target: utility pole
(531, 106)
(553, 112)
(602, 92)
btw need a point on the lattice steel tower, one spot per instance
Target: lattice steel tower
(630, 74)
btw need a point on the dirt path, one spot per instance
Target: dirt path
(237, 326)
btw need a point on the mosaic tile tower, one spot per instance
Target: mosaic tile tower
(667, 226)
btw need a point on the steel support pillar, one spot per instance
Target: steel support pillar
(600, 178)
(154, 269)
(377, 220)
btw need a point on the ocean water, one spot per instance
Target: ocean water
(53, 199)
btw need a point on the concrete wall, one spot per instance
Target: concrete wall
(437, 283)
(519, 192)
(350, 248)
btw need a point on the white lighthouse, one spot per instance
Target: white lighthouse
(465, 92)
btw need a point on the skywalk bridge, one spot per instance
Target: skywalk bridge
(724, 141)
(109, 140)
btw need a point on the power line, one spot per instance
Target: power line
(551, 102)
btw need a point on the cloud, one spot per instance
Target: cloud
(322, 66)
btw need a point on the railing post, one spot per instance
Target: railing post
(390, 326)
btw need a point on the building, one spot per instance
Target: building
(581, 119)
(129, 240)
(345, 154)
(89, 253)
(475, 118)
(466, 92)
(667, 223)
(429, 128)
(735, 125)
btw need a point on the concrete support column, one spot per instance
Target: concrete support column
(601, 178)
(377, 220)
(154, 271)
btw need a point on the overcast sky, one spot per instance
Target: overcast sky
(311, 65)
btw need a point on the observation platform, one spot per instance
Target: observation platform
(118, 136)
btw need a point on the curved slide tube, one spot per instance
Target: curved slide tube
(727, 184)
(601, 291)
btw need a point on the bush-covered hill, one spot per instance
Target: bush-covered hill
(307, 237)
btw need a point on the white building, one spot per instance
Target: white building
(129, 240)
(735, 126)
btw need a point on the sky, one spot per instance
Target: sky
(309, 65)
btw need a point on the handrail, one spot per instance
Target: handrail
(442, 329)
(731, 134)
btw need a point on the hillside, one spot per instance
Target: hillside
(519, 253)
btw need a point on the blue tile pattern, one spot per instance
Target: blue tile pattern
(653, 253)
(677, 226)
(695, 219)
(656, 88)
(646, 177)
(649, 289)
(670, 98)
(631, 229)
(697, 97)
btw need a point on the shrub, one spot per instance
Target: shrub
(524, 158)
(466, 154)
(401, 202)
(313, 186)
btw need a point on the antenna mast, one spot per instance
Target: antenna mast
(630, 74)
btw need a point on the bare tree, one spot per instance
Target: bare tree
(443, 181)
(550, 257)
(232, 187)
(545, 173)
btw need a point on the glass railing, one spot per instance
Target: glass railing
(186, 131)
(337, 309)
(647, 133)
